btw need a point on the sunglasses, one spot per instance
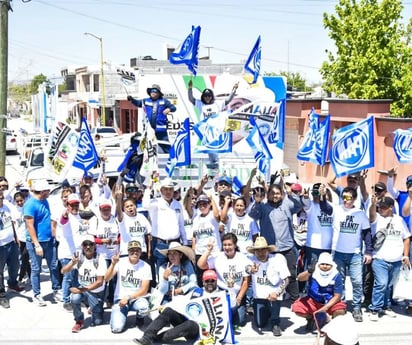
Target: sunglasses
(347, 197)
(154, 91)
(88, 244)
(378, 190)
(210, 281)
(131, 190)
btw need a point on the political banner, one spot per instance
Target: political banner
(353, 148)
(402, 145)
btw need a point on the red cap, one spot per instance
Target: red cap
(209, 274)
(296, 187)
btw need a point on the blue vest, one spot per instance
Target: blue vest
(157, 120)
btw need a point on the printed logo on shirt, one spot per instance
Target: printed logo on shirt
(349, 226)
(325, 220)
(129, 280)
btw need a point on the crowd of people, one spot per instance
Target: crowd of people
(113, 247)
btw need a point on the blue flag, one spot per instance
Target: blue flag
(353, 148)
(86, 157)
(187, 51)
(402, 145)
(179, 154)
(252, 64)
(259, 147)
(236, 185)
(213, 138)
(314, 147)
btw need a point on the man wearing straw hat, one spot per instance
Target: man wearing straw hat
(269, 279)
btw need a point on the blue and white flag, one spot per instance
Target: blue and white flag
(353, 148)
(237, 185)
(127, 77)
(402, 145)
(87, 156)
(179, 154)
(314, 147)
(258, 145)
(213, 138)
(187, 51)
(252, 64)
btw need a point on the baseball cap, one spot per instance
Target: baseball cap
(225, 179)
(105, 203)
(40, 185)
(73, 199)
(380, 187)
(88, 238)
(87, 174)
(202, 198)
(386, 201)
(134, 245)
(209, 274)
(296, 187)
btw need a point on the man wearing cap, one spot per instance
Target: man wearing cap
(269, 274)
(133, 283)
(275, 220)
(353, 180)
(88, 270)
(40, 240)
(67, 235)
(182, 326)
(325, 288)
(156, 108)
(352, 245)
(105, 229)
(167, 219)
(392, 254)
(100, 189)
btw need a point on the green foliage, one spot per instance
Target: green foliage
(372, 58)
(19, 93)
(37, 80)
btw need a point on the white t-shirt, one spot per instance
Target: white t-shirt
(397, 231)
(320, 231)
(230, 272)
(134, 229)
(105, 229)
(88, 272)
(347, 229)
(207, 110)
(244, 227)
(130, 277)
(205, 228)
(269, 276)
(6, 228)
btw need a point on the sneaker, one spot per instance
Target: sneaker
(68, 307)
(357, 315)
(40, 301)
(4, 302)
(142, 341)
(374, 316)
(57, 296)
(389, 312)
(276, 331)
(16, 288)
(77, 326)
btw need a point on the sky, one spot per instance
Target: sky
(45, 36)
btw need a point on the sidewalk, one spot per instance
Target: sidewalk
(26, 323)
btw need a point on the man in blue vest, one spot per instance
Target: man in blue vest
(157, 108)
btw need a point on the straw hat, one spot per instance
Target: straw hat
(260, 243)
(188, 252)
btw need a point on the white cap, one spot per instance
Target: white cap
(342, 330)
(40, 185)
(167, 183)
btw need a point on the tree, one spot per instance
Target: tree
(37, 80)
(373, 54)
(295, 81)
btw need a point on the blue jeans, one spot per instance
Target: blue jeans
(9, 254)
(265, 312)
(95, 303)
(157, 256)
(386, 274)
(66, 282)
(239, 313)
(50, 253)
(118, 316)
(354, 264)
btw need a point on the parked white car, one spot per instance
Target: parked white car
(104, 132)
(11, 140)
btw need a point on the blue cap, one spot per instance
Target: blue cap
(226, 179)
(409, 179)
(88, 174)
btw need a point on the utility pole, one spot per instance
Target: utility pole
(4, 45)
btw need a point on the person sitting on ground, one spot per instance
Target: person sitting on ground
(182, 327)
(325, 288)
(269, 274)
(89, 269)
(133, 282)
(177, 276)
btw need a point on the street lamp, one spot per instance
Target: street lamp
(103, 104)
